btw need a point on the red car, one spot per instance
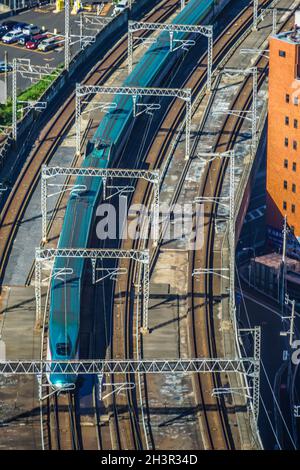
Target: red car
(34, 42)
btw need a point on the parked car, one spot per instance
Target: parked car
(5, 67)
(24, 39)
(31, 30)
(13, 25)
(35, 41)
(49, 44)
(120, 6)
(11, 37)
(3, 31)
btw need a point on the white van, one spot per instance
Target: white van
(121, 5)
(31, 30)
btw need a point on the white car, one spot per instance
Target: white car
(12, 36)
(31, 30)
(49, 44)
(121, 5)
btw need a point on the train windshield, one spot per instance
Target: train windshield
(63, 349)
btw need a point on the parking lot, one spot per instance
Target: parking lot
(51, 23)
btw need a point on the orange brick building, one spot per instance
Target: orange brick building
(283, 157)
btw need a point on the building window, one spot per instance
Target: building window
(296, 100)
(286, 142)
(284, 205)
(294, 145)
(285, 184)
(287, 121)
(282, 53)
(287, 98)
(296, 123)
(294, 166)
(293, 187)
(286, 164)
(293, 208)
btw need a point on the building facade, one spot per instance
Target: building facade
(283, 155)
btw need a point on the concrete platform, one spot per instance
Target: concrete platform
(19, 406)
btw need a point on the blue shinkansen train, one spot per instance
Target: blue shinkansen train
(65, 295)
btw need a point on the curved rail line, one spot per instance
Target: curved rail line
(51, 136)
(203, 319)
(12, 213)
(24, 187)
(157, 152)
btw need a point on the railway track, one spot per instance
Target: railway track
(203, 319)
(15, 207)
(60, 410)
(216, 425)
(51, 136)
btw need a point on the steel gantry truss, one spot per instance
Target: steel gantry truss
(92, 23)
(236, 112)
(227, 202)
(152, 176)
(171, 28)
(33, 73)
(255, 15)
(248, 367)
(255, 376)
(274, 17)
(245, 365)
(136, 92)
(43, 255)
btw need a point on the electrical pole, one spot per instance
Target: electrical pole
(290, 332)
(67, 34)
(282, 268)
(284, 231)
(255, 9)
(274, 20)
(5, 75)
(14, 100)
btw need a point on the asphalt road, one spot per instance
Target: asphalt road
(276, 423)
